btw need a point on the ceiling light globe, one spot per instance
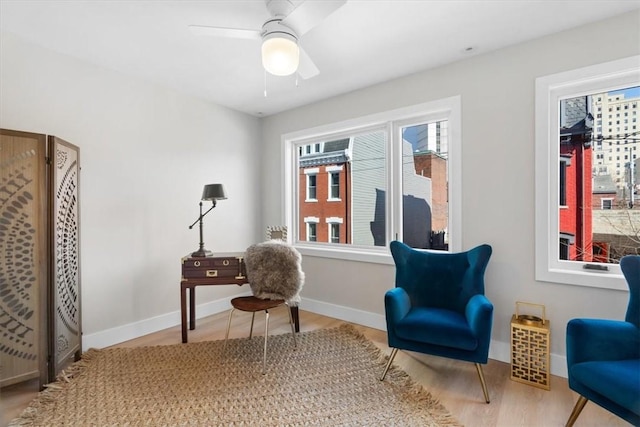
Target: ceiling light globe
(280, 54)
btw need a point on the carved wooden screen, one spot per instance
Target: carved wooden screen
(65, 277)
(23, 257)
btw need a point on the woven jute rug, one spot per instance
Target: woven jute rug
(331, 379)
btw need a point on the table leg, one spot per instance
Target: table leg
(296, 317)
(183, 311)
(192, 308)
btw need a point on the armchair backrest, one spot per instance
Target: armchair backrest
(442, 280)
(630, 266)
(274, 270)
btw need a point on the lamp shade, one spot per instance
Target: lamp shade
(213, 192)
(280, 54)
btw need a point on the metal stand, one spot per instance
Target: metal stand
(202, 252)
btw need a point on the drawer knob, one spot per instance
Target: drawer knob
(225, 262)
(196, 263)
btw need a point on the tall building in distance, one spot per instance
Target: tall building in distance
(617, 137)
(429, 137)
(599, 217)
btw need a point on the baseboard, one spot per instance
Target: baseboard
(499, 350)
(130, 331)
(364, 318)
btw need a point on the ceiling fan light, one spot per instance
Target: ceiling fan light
(280, 54)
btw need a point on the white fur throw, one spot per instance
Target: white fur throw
(274, 271)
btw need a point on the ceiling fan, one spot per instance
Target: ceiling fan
(281, 51)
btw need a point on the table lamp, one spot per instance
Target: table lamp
(212, 192)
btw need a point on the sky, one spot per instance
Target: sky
(632, 92)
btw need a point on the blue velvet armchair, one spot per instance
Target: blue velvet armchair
(438, 306)
(603, 356)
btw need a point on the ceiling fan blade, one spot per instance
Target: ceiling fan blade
(306, 69)
(236, 33)
(311, 13)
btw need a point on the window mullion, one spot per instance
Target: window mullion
(394, 182)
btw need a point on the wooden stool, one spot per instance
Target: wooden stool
(253, 304)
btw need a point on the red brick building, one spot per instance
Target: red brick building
(434, 166)
(575, 192)
(324, 192)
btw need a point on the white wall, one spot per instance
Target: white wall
(497, 91)
(145, 153)
(133, 134)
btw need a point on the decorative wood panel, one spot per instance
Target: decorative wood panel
(40, 329)
(23, 259)
(65, 279)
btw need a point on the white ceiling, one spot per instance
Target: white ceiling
(363, 43)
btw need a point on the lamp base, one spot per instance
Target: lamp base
(201, 253)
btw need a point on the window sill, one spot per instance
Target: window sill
(604, 280)
(333, 251)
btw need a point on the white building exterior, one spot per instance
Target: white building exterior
(616, 137)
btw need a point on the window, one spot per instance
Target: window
(311, 229)
(425, 206)
(311, 184)
(334, 186)
(565, 244)
(311, 149)
(566, 221)
(334, 233)
(334, 182)
(392, 175)
(562, 197)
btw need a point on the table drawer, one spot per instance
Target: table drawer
(212, 267)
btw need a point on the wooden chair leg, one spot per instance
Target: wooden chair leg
(386, 368)
(576, 411)
(253, 317)
(483, 383)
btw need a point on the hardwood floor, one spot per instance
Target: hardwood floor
(454, 383)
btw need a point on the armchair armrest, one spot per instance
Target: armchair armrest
(396, 304)
(479, 314)
(600, 339)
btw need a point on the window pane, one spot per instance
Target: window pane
(424, 185)
(562, 198)
(564, 248)
(311, 187)
(351, 173)
(311, 232)
(335, 185)
(599, 191)
(335, 233)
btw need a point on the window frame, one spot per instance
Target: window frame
(308, 174)
(549, 90)
(388, 121)
(331, 222)
(308, 222)
(562, 181)
(331, 171)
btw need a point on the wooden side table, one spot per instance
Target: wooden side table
(224, 269)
